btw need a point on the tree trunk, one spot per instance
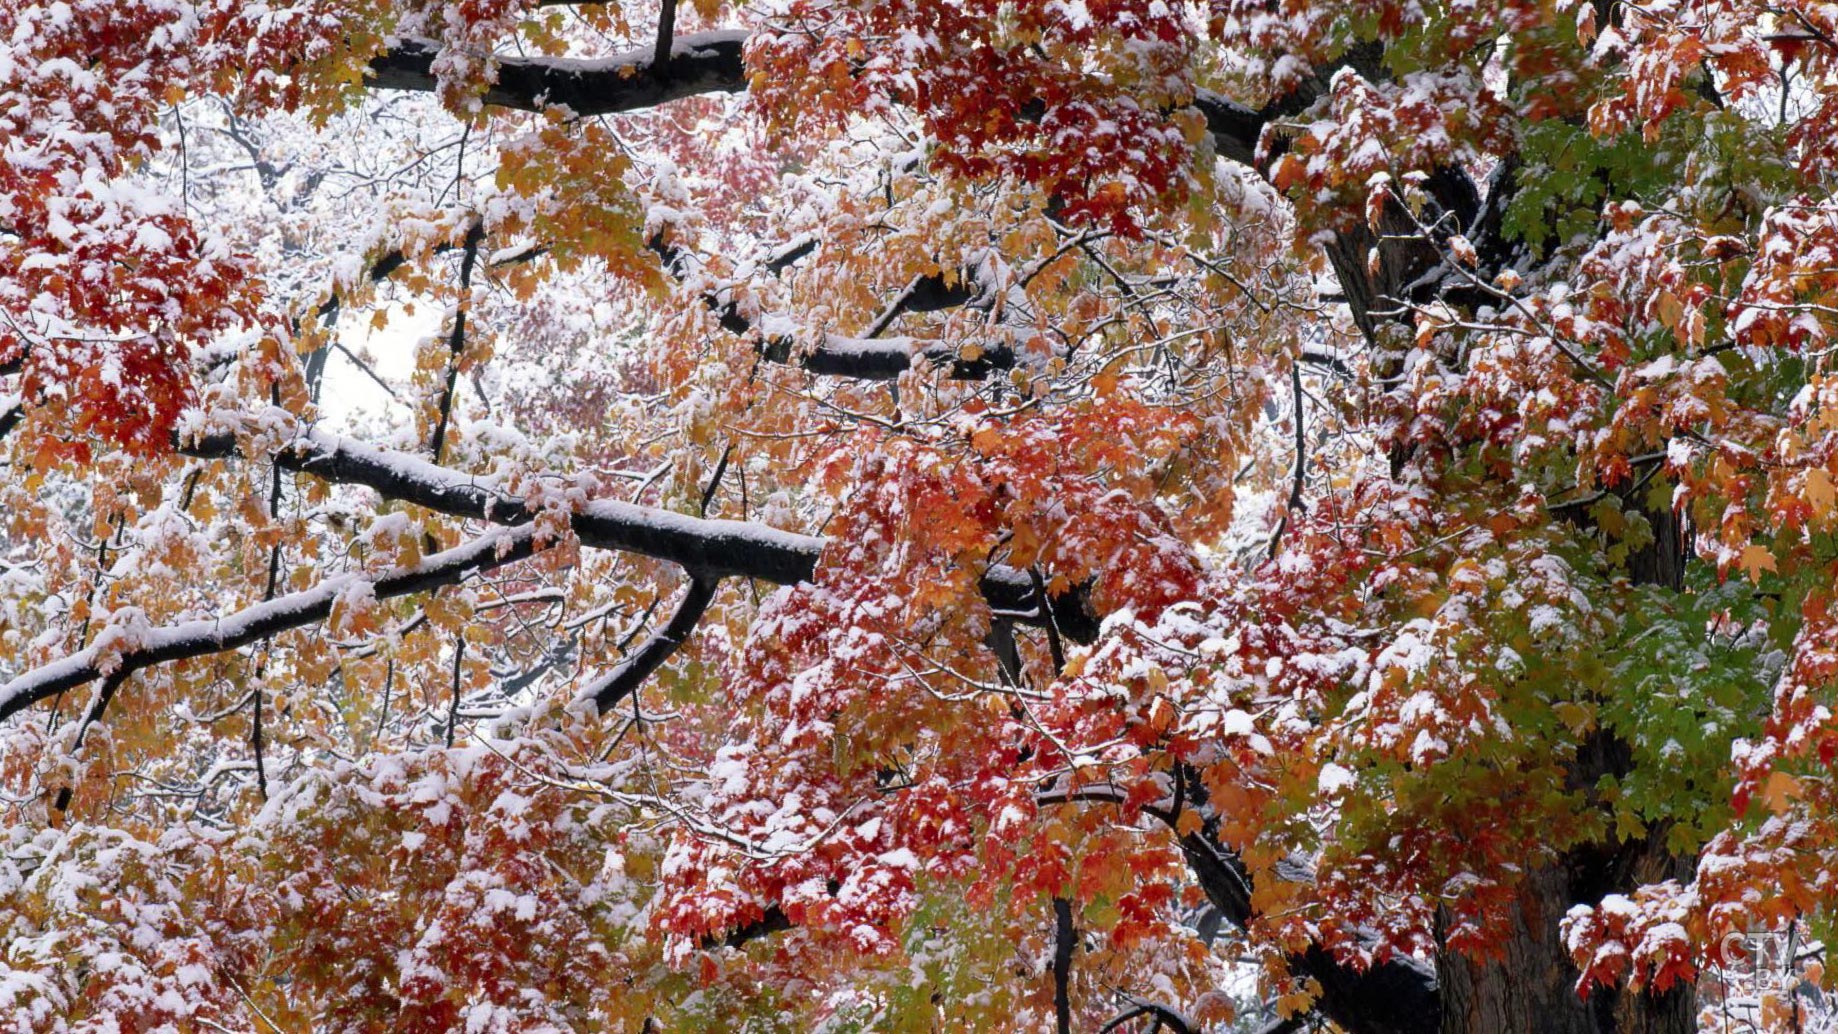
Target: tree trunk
(1531, 989)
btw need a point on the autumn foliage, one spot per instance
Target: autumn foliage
(916, 514)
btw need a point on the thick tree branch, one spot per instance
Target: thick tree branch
(1065, 939)
(717, 548)
(122, 650)
(10, 418)
(773, 920)
(700, 63)
(1234, 127)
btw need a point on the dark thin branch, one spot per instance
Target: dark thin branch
(459, 660)
(714, 480)
(556, 656)
(1301, 471)
(257, 743)
(607, 692)
(1065, 938)
(389, 684)
(1301, 463)
(97, 708)
(870, 357)
(456, 341)
(378, 272)
(1161, 1014)
(367, 370)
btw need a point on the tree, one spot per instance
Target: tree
(915, 514)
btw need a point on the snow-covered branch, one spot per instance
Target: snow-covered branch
(700, 63)
(124, 648)
(869, 357)
(708, 546)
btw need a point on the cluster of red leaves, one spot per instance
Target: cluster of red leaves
(1080, 103)
(491, 877)
(106, 288)
(875, 649)
(1379, 141)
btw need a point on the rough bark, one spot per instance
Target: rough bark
(1532, 986)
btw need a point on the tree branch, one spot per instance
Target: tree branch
(1397, 996)
(1161, 1014)
(456, 341)
(717, 548)
(120, 651)
(1235, 128)
(607, 691)
(699, 63)
(868, 358)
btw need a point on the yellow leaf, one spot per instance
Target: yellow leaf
(1779, 790)
(1574, 716)
(1188, 824)
(1105, 382)
(1669, 309)
(1819, 492)
(1755, 560)
(1294, 1004)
